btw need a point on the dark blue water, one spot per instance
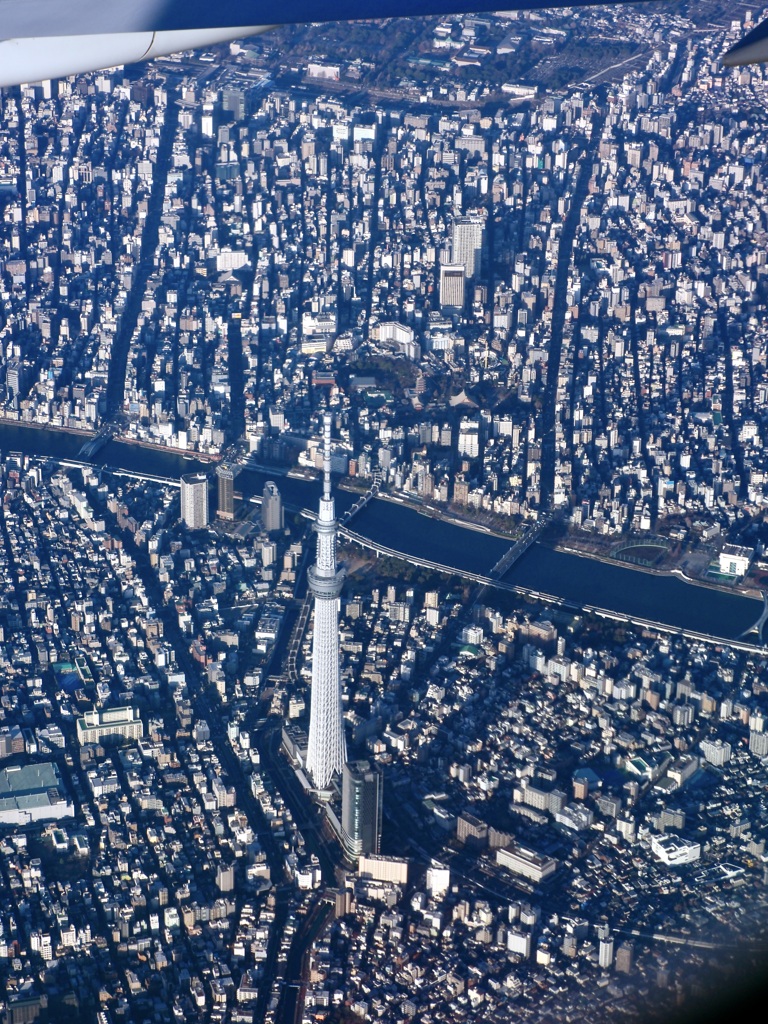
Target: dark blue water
(60, 444)
(631, 592)
(572, 578)
(139, 459)
(406, 530)
(66, 444)
(575, 579)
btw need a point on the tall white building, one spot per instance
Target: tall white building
(469, 438)
(605, 953)
(467, 244)
(326, 751)
(271, 508)
(194, 500)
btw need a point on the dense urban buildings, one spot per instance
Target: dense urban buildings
(520, 263)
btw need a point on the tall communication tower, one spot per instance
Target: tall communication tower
(326, 753)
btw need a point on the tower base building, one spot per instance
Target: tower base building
(361, 808)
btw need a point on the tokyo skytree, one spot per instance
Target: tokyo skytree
(326, 753)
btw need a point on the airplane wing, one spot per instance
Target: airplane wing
(752, 49)
(52, 38)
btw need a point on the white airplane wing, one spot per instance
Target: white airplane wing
(53, 38)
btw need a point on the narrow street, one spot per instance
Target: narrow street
(149, 238)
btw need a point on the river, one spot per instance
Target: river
(575, 579)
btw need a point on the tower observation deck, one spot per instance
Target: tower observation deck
(326, 753)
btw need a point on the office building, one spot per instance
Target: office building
(194, 500)
(522, 861)
(452, 287)
(326, 752)
(14, 376)
(272, 516)
(467, 244)
(672, 849)
(471, 830)
(361, 808)
(383, 869)
(226, 480)
(625, 957)
(103, 723)
(735, 560)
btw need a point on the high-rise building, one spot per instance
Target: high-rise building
(14, 376)
(625, 957)
(194, 500)
(452, 286)
(605, 954)
(326, 751)
(272, 508)
(361, 808)
(226, 479)
(467, 244)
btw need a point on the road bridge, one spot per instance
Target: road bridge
(757, 629)
(97, 442)
(360, 504)
(519, 548)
